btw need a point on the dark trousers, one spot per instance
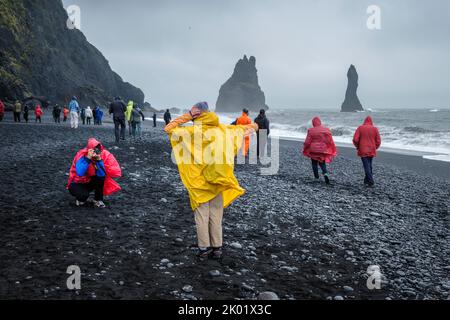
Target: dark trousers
(130, 128)
(368, 169)
(1, 117)
(315, 166)
(25, 116)
(84, 120)
(16, 116)
(81, 191)
(119, 129)
(88, 121)
(154, 123)
(38, 119)
(261, 145)
(57, 119)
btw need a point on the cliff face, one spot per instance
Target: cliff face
(352, 103)
(242, 89)
(40, 56)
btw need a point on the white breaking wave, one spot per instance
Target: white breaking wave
(439, 157)
(433, 145)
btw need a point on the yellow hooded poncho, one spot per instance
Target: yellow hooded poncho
(205, 155)
(129, 110)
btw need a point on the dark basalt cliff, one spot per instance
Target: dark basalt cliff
(242, 89)
(40, 56)
(352, 103)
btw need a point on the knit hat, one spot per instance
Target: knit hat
(203, 106)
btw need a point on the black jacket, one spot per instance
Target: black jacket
(56, 111)
(263, 123)
(167, 117)
(118, 108)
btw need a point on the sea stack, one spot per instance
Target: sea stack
(352, 103)
(242, 89)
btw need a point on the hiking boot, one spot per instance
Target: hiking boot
(79, 203)
(217, 254)
(204, 254)
(99, 204)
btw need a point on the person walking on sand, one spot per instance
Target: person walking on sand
(367, 141)
(93, 170)
(137, 117)
(65, 113)
(26, 112)
(89, 115)
(83, 115)
(17, 109)
(243, 121)
(74, 109)
(98, 112)
(128, 112)
(319, 146)
(57, 113)
(264, 128)
(210, 181)
(154, 120)
(167, 117)
(38, 113)
(2, 110)
(117, 109)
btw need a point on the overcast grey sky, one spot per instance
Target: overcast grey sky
(181, 52)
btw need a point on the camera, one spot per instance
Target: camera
(97, 151)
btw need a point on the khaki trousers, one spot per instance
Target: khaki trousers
(208, 218)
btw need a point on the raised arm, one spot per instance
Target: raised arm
(178, 122)
(249, 128)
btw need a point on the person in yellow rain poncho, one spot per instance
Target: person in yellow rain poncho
(128, 112)
(205, 154)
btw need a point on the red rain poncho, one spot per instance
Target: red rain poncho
(38, 111)
(367, 139)
(112, 168)
(319, 144)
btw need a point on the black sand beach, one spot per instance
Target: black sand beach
(300, 239)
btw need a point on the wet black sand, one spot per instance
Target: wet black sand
(300, 238)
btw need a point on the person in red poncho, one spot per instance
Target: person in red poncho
(93, 169)
(38, 113)
(367, 141)
(320, 147)
(2, 110)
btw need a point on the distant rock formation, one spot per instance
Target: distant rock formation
(242, 89)
(352, 103)
(41, 57)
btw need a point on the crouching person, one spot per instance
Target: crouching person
(93, 170)
(206, 168)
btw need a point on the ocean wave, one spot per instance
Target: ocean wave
(439, 157)
(418, 130)
(414, 138)
(342, 131)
